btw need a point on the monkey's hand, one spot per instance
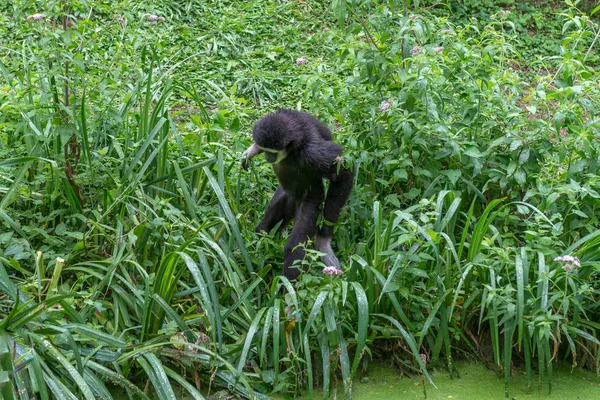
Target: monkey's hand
(249, 154)
(245, 161)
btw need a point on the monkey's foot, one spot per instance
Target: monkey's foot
(323, 244)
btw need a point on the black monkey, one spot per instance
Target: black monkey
(302, 153)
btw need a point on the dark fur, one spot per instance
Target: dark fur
(311, 157)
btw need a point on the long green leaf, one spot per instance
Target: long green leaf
(363, 324)
(411, 344)
(211, 304)
(248, 342)
(117, 379)
(184, 383)
(316, 309)
(520, 298)
(161, 383)
(86, 391)
(344, 361)
(230, 218)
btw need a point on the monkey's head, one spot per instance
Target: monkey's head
(276, 135)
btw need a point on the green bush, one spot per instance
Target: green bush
(127, 248)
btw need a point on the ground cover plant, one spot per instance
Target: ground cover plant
(128, 255)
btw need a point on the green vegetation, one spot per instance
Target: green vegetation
(127, 248)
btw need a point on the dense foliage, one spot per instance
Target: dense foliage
(127, 248)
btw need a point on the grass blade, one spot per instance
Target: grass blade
(363, 324)
(159, 379)
(248, 341)
(82, 385)
(520, 298)
(411, 344)
(230, 218)
(181, 381)
(117, 379)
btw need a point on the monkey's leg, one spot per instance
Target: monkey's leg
(281, 208)
(305, 228)
(337, 195)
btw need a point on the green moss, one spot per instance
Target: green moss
(476, 382)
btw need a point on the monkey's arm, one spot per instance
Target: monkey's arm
(341, 181)
(321, 155)
(281, 208)
(249, 154)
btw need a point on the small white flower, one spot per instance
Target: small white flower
(438, 50)
(301, 60)
(37, 16)
(331, 270)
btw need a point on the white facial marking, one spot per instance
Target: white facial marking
(281, 154)
(267, 149)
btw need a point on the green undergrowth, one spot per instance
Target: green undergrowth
(127, 248)
(535, 23)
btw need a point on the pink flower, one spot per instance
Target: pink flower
(154, 18)
(438, 50)
(564, 132)
(301, 60)
(37, 16)
(569, 260)
(414, 51)
(331, 270)
(385, 105)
